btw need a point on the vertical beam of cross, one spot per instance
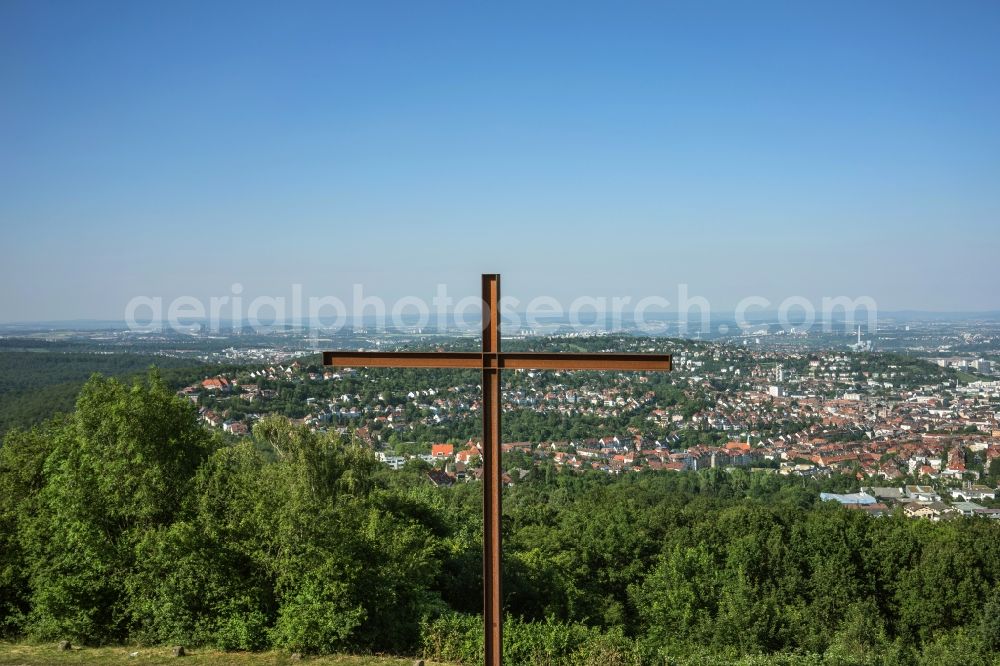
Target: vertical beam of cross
(492, 473)
(490, 361)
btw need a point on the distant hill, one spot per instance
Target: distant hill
(36, 382)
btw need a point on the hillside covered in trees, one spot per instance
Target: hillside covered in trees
(127, 521)
(39, 379)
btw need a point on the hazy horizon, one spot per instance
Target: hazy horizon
(755, 316)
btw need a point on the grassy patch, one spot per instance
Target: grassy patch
(11, 653)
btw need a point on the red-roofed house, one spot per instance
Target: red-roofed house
(467, 455)
(442, 450)
(216, 384)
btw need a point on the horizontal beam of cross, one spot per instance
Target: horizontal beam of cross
(508, 360)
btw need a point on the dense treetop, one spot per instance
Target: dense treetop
(128, 521)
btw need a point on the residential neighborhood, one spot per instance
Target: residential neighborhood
(890, 422)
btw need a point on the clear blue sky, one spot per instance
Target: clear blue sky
(744, 148)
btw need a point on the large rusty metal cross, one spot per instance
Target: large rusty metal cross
(491, 361)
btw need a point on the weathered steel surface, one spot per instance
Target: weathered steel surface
(491, 361)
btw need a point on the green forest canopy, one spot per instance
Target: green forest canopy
(127, 521)
(39, 380)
